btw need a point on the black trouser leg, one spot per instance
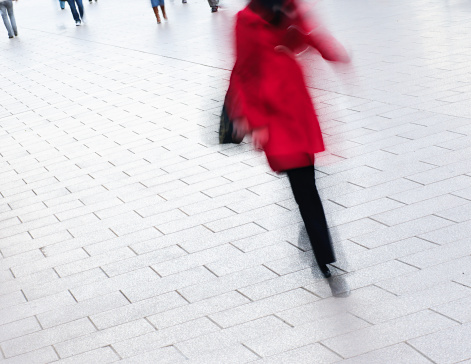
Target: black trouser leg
(305, 193)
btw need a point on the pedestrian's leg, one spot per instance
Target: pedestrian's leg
(305, 193)
(73, 9)
(6, 21)
(80, 7)
(11, 14)
(162, 7)
(156, 12)
(214, 4)
(62, 4)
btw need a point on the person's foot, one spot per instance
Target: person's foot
(325, 270)
(16, 34)
(158, 21)
(165, 16)
(77, 23)
(214, 9)
(183, 1)
(10, 36)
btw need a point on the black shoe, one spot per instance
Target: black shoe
(325, 270)
(183, 1)
(10, 36)
(214, 9)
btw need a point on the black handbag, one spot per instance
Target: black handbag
(226, 129)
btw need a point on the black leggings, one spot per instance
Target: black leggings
(305, 193)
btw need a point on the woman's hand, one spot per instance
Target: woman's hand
(260, 137)
(241, 128)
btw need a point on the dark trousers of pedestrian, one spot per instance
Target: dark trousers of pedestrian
(6, 9)
(213, 3)
(305, 193)
(74, 9)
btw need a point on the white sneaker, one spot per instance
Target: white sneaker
(77, 23)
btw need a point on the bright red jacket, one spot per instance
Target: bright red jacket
(267, 87)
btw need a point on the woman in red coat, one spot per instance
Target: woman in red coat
(268, 96)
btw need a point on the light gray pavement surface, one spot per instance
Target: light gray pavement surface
(127, 234)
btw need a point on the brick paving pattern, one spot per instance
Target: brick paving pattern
(127, 234)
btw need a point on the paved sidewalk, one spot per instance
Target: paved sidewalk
(127, 234)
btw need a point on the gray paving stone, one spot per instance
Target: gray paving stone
(103, 338)
(101, 355)
(42, 338)
(399, 353)
(389, 333)
(447, 346)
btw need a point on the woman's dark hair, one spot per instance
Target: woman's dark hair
(272, 8)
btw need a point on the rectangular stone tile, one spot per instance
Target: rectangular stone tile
(138, 310)
(165, 355)
(218, 285)
(333, 305)
(292, 338)
(456, 309)
(397, 354)
(145, 260)
(304, 354)
(439, 254)
(165, 337)
(229, 265)
(193, 260)
(413, 211)
(177, 281)
(388, 333)
(82, 309)
(47, 337)
(19, 328)
(237, 354)
(410, 303)
(428, 277)
(45, 263)
(446, 346)
(222, 237)
(224, 339)
(103, 338)
(121, 282)
(97, 356)
(432, 190)
(43, 287)
(447, 234)
(40, 356)
(264, 307)
(198, 309)
(408, 229)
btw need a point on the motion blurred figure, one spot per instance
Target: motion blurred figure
(6, 9)
(268, 97)
(155, 6)
(78, 19)
(214, 4)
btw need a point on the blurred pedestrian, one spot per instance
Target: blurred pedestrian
(62, 4)
(155, 6)
(214, 4)
(6, 9)
(268, 97)
(78, 18)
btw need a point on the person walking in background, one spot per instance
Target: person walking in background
(214, 4)
(78, 18)
(268, 97)
(6, 9)
(62, 4)
(155, 6)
